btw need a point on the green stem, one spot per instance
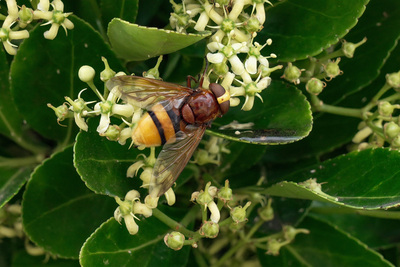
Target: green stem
(173, 224)
(20, 162)
(374, 100)
(337, 53)
(321, 107)
(241, 243)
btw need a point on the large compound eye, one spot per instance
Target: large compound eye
(222, 96)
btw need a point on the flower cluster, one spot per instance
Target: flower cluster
(129, 207)
(321, 67)
(382, 125)
(233, 39)
(19, 18)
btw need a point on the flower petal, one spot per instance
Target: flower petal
(251, 64)
(215, 58)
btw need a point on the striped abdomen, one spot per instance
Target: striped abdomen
(157, 126)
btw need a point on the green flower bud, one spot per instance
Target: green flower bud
(385, 108)
(332, 68)
(349, 48)
(25, 16)
(203, 198)
(107, 73)
(209, 229)
(273, 247)
(234, 226)
(225, 194)
(253, 25)
(292, 73)
(289, 232)
(315, 86)
(267, 212)
(62, 112)
(153, 72)
(395, 142)
(393, 79)
(391, 130)
(238, 214)
(174, 240)
(112, 133)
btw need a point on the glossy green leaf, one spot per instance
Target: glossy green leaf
(23, 259)
(382, 32)
(386, 231)
(325, 245)
(241, 157)
(10, 119)
(111, 243)
(135, 43)
(59, 211)
(332, 131)
(102, 164)
(367, 179)
(283, 117)
(52, 73)
(302, 28)
(126, 10)
(11, 181)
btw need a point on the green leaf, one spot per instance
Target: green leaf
(242, 156)
(102, 164)
(283, 117)
(385, 233)
(126, 10)
(111, 243)
(302, 28)
(367, 179)
(382, 37)
(332, 131)
(10, 119)
(325, 245)
(51, 73)
(135, 43)
(11, 181)
(59, 212)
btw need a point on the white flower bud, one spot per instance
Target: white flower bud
(86, 73)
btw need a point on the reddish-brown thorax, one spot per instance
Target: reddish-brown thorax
(201, 107)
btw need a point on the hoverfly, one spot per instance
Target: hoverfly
(176, 118)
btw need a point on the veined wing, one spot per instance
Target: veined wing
(173, 159)
(144, 92)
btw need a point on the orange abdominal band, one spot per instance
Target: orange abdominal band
(223, 98)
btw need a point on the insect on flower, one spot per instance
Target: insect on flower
(176, 118)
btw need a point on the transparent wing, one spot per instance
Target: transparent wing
(144, 92)
(173, 159)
